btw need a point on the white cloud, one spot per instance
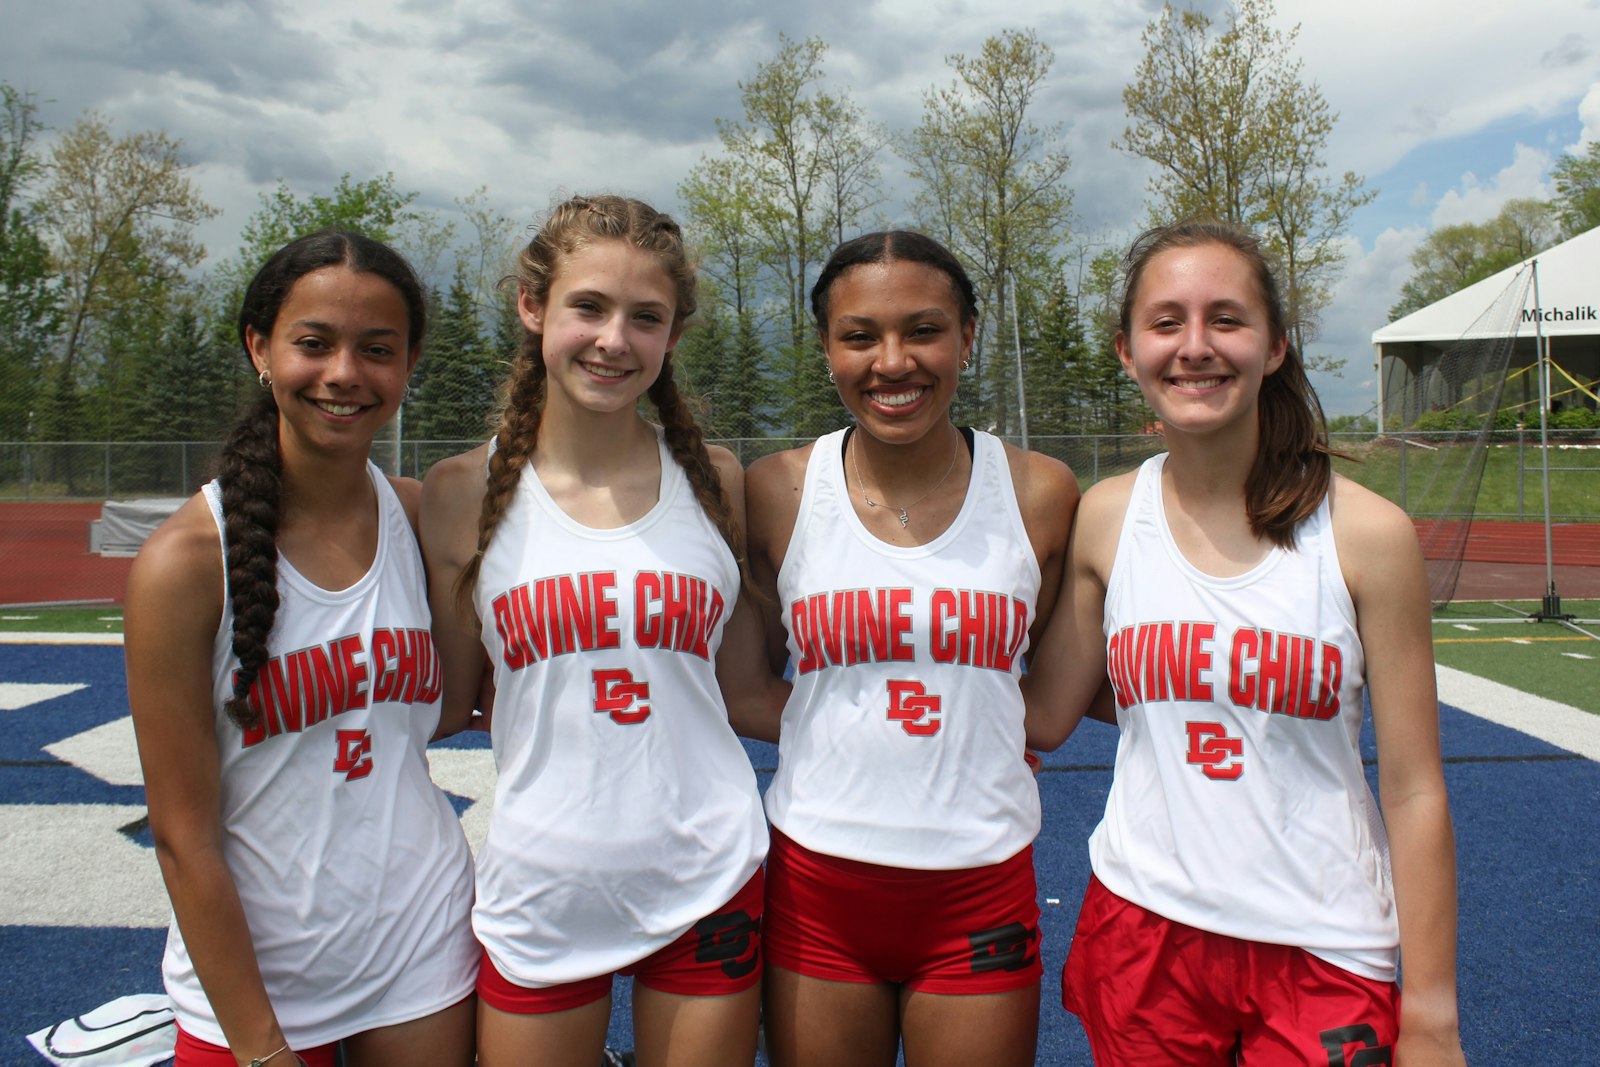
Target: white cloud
(1475, 200)
(1589, 115)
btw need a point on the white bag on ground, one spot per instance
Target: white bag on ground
(131, 1031)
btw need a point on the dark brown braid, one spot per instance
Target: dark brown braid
(251, 473)
(250, 468)
(575, 224)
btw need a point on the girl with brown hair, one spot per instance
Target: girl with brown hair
(284, 687)
(1237, 600)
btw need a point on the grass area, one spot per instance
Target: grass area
(104, 618)
(1544, 658)
(1421, 479)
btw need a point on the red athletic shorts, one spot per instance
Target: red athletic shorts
(974, 930)
(192, 1052)
(1149, 990)
(718, 955)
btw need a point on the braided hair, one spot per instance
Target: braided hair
(575, 224)
(250, 469)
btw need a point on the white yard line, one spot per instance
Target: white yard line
(1559, 724)
(21, 637)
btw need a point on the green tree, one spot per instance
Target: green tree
(1237, 134)
(375, 207)
(992, 189)
(808, 162)
(29, 301)
(1454, 257)
(452, 389)
(1577, 180)
(118, 216)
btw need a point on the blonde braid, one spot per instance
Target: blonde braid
(688, 446)
(514, 443)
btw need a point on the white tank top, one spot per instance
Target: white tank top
(1239, 803)
(626, 810)
(352, 867)
(902, 742)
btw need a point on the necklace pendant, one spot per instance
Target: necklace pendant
(905, 520)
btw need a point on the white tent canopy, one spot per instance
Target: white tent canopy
(1569, 298)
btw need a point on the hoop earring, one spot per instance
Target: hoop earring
(264, 379)
(831, 379)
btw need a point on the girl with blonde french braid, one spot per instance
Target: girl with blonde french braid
(595, 558)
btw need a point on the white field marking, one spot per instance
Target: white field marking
(1466, 626)
(110, 618)
(18, 618)
(1519, 641)
(1576, 655)
(22, 637)
(14, 696)
(467, 772)
(70, 865)
(108, 752)
(1559, 724)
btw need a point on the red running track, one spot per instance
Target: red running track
(45, 558)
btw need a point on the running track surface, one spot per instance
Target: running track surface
(79, 887)
(45, 558)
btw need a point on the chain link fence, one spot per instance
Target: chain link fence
(1392, 464)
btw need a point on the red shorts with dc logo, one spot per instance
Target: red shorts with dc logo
(1150, 990)
(718, 955)
(973, 930)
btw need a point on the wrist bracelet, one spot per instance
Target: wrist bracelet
(261, 1061)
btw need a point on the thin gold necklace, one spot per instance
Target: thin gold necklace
(905, 512)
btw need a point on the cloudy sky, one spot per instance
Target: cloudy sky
(1447, 109)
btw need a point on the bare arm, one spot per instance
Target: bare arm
(773, 486)
(1383, 568)
(174, 606)
(1067, 676)
(753, 693)
(452, 495)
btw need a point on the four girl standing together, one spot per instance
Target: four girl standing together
(616, 598)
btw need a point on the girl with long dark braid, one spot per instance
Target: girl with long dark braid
(284, 685)
(595, 558)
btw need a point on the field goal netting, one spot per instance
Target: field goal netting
(1443, 419)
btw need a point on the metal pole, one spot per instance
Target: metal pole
(1016, 334)
(1552, 603)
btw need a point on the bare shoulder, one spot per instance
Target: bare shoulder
(1099, 522)
(178, 571)
(1365, 522)
(457, 480)
(730, 472)
(774, 478)
(772, 489)
(409, 490)
(1040, 480)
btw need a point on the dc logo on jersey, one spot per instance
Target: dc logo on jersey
(354, 759)
(617, 694)
(914, 708)
(1218, 756)
(728, 940)
(1368, 1052)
